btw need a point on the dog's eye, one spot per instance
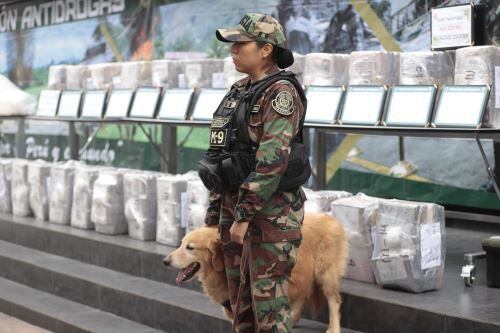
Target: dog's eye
(189, 247)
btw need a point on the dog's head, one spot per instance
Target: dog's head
(200, 251)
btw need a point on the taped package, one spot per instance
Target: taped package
(61, 194)
(39, 182)
(201, 73)
(165, 73)
(476, 65)
(321, 201)
(326, 69)
(409, 245)
(20, 189)
(231, 75)
(102, 76)
(82, 196)
(140, 204)
(197, 197)
(5, 186)
(172, 208)
(298, 66)
(57, 77)
(75, 76)
(426, 68)
(374, 68)
(107, 212)
(357, 214)
(133, 74)
(15, 101)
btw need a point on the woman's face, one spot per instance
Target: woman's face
(248, 56)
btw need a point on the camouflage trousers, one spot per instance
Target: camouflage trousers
(264, 302)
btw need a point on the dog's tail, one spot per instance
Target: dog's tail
(316, 300)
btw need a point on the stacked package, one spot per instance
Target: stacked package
(140, 204)
(326, 69)
(374, 68)
(321, 201)
(357, 214)
(409, 245)
(165, 73)
(476, 66)
(426, 68)
(39, 181)
(61, 196)
(57, 77)
(15, 101)
(298, 66)
(20, 189)
(197, 197)
(107, 212)
(82, 196)
(231, 75)
(133, 74)
(5, 186)
(75, 77)
(102, 76)
(201, 73)
(172, 201)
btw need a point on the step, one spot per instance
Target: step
(60, 315)
(148, 302)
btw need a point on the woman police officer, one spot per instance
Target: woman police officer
(253, 168)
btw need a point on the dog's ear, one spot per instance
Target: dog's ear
(214, 246)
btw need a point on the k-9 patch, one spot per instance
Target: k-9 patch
(218, 137)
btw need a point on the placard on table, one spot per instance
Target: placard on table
(363, 105)
(48, 103)
(410, 105)
(119, 104)
(145, 103)
(207, 102)
(175, 104)
(69, 105)
(93, 104)
(323, 103)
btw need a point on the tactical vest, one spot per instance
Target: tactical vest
(231, 155)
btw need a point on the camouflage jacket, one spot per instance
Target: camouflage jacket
(273, 127)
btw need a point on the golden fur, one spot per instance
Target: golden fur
(315, 278)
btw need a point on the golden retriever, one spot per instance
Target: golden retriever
(315, 278)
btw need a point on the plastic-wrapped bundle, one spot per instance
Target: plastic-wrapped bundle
(231, 75)
(421, 68)
(15, 101)
(326, 69)
(374, 68)
(75, 76)
(61, 194)
(107, 212)
(298, 66)
(321, 201)
(476, 66)
(133, 74)
(57, 77)
(409, 245)
(102, 76)
(171, 191)
(38, 179)
(20, 189)
(165, 73)
(199, 73)
(197, 196)
(357, 215)
(140, 204)
(5, 186)
(82, 196)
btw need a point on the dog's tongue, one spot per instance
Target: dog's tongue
(179, 277)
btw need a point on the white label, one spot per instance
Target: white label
(49, 185)
(184, 209)
(219, 80)
(451, 26)
(193, 72)
(497, 87)
(116, 81)
(430, 245)
(3, 187)
(182, 81)
(391, 269)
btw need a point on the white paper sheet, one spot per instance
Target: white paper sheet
(430, 245)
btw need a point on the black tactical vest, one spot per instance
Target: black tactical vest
(231, 154)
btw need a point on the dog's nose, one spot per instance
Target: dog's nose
(166, 261)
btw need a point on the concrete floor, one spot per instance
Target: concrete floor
(10, 324)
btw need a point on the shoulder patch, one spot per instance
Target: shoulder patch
(283, 103)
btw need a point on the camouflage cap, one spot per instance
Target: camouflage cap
(254, 27)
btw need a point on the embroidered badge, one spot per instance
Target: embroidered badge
(283, 103)
(220, 122)
(256, 108)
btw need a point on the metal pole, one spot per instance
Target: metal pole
(401, 148)
(320, 160)
(73, 142)
(489, 169)
(21, 138)
(169, 148)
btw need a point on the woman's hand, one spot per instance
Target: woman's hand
(238, 232)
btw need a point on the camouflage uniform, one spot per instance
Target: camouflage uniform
(275, 218)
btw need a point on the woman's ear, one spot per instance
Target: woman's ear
(267, 50)
(215, 248)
